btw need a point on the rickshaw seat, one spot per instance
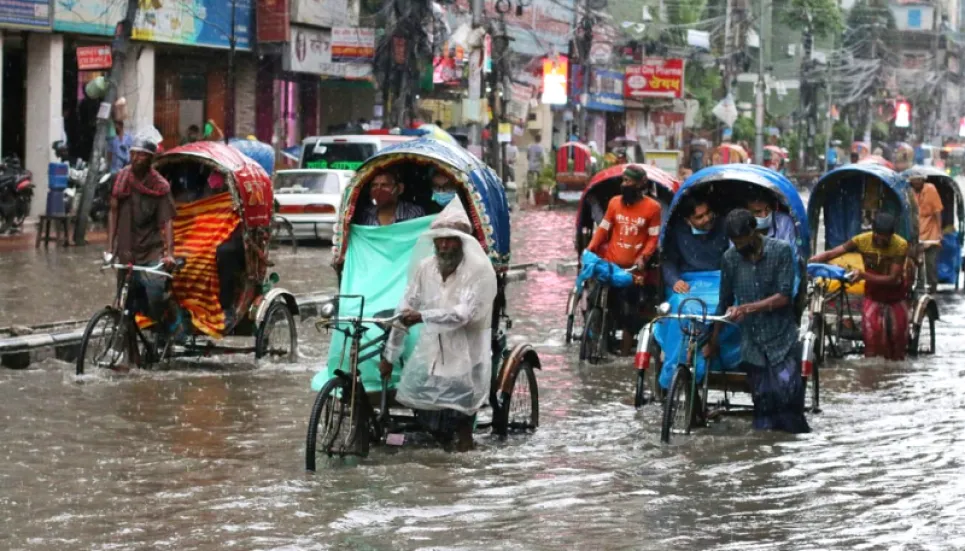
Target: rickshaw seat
(200, 227)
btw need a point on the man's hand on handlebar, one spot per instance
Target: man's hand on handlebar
(736, 313)
(169, 262)
(681, 287)
(385, 368)
(411, 317)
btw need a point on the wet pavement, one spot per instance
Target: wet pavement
(210, 456)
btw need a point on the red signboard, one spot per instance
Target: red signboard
(272, 20)
(656, 78)
(90, 58)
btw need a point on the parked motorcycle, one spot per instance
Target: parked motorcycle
(16, 194)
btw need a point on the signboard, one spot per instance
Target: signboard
(91, 58)
(444, 72)
(554, 80)
(505, 134)
(353, 45)
(656, 78)
(196, 23)
(326, 13)
(606, 91)
(488, 52)
(25, 14)
(309, 51)
(273, 21)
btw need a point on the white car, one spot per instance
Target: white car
(310, 200)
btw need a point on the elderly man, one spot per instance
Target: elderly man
(884, 315)
(929, 229)
(387, 207)
(695, 243)
(756, 291)
(447, 378)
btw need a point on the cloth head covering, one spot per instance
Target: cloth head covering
(635, 172)
(884, 223)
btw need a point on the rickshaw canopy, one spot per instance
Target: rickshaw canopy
(654, 174)
(487, 206)
(876, 160)
(778, 184)
(248, 182)
(843, 217)
(580, 154)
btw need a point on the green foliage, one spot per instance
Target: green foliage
(547, 177)
(702, 84)
(826, 18)
(842, 131)
(879, 131)
(744, 130)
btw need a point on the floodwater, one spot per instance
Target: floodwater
(210, 456)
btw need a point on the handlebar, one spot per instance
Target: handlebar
(353, 320)
(154, 270)
(697, 317)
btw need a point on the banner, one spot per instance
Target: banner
(91, 58)
(309, 51)
(656, 78)
(25, 14)
(191, 23)
(606, 91)
(326, 13)
(353, 45)
(273, 21)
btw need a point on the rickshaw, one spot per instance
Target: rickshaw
(904, 156)
(592, 206)
(774, 158)
(354, 406)
(845, 201)
(221, 241)
(668, 364)
(728, 153)
(627, 149)
(953, 223)
(955, 164)
(574, 167)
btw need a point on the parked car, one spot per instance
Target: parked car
(309, 199)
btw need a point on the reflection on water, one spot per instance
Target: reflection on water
(209, 457)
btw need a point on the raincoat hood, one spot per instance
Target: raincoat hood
(452, 218)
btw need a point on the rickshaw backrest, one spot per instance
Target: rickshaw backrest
(579, 154)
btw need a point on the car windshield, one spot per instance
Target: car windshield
(338, 156)
(315, 182)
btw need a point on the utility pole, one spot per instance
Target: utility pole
(761, 88)
(499, 47)
(232, 81)
(728, 11)
(475, 76)
(829, 87)
(122, 40)
(806, 97)
(871, 96)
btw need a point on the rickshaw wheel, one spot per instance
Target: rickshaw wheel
(818, 342)
(100, 341)
(648, 378)
(519, 407)
(812, 388)
(593, 346)
(268, 341)
(915, 345)
(572, 303)
(330, 428)
(678, 401)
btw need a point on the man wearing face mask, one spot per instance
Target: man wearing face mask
(387, 207)
(887, 279)
(770, 221)
(695, 242)
(443, 189)
(756, 291)
(630, 230)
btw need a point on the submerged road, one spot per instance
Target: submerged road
(209, 456)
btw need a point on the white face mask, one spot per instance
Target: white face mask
(766, 222)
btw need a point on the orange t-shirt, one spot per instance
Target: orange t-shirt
(929, 214)
(632, 231)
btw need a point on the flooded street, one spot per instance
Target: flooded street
(210, 456)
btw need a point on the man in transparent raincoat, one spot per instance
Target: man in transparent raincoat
(452, 286)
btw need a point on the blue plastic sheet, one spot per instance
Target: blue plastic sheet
(670, 337)
(827, 271)
(602, 271)
(376, 267)
(260, 152)
(950, 258)
(842, 215)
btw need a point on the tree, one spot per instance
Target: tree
(823, 16)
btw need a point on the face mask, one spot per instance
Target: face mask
(382, 196)
(631, 194)
(443, 198)
(697, 231)
(765, 222)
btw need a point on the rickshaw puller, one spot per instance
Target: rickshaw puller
(930, 229)
(141, 232)
(885, 257)
(756, 291)
(447, 378)
(696, 243)
(631, 229)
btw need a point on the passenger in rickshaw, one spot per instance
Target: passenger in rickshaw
(447, 378)
(628, 236)
(930, 229)
(444, 188)
(884, 313)
(387, 206)
(696, 243)
(771, 222)
(757, 282)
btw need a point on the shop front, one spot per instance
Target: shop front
(18, 20)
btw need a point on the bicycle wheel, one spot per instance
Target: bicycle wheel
(593, 347)
(916, 347)
(648, 378)
(678, 409)
(572, 303)
(102, 344)
(277, 335)
(332, 427)
(519, 407)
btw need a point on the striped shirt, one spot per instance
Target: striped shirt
(404, 210)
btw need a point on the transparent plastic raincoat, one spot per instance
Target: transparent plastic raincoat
(451, 365)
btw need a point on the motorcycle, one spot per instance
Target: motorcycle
(16, 194)
(100, 204)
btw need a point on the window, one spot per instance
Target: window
(339, 156)
(318, 182)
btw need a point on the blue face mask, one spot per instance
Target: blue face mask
(766, 222)
(443, 198)
(697, 231)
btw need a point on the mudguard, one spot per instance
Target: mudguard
(260, 307)
(518, 354)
